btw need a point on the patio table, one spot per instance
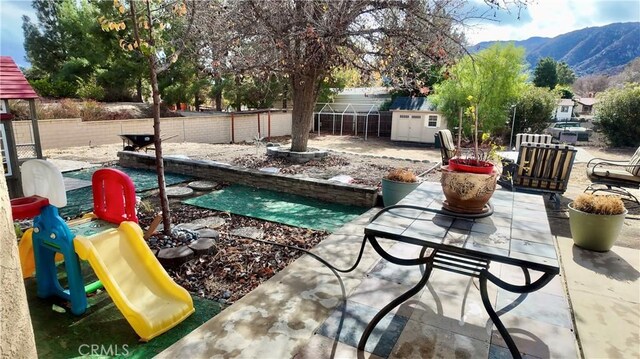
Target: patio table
(468, 245)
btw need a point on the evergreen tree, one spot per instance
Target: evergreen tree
(566, 76)
(546, 74)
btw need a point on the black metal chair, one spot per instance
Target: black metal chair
(615, 176)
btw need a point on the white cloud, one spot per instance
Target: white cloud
(550, 18)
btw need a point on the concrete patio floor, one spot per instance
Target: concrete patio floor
(591, 310)
(306, 311)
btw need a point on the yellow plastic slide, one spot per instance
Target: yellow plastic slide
(141, 289)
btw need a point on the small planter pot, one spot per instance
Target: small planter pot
(596, 232)
(393, 191)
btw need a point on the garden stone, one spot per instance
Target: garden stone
(248, 232)
(184, 235)
(202, 185)
(178, 192)
(204, 246)
(210, 222)
(191, 226)
(173, 257)
(208, 233)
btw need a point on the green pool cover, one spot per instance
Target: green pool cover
(80, 200)
(278, 207)
(143, 179)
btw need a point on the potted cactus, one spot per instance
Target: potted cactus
(398, 183)
(596, 221)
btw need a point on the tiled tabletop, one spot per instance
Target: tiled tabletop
(516, 233)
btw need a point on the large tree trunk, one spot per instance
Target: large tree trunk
(218, 98)
(285, 95)
(238, 99)
(304, 96)
(139, 90)
(164, 201)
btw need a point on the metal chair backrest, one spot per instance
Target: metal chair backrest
(544, 167)
(447, 147)
(531, 138)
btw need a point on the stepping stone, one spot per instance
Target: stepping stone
(342, 179)
(192, 226)
(178, 192)
(208, 233)
(270, 170)
(173, 257)
(210, 222)
(202, 185)
(204, 246)
(248, 232)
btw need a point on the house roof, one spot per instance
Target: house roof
(412, 103)
(13, 85)
(587, 101)
(365, 91)
(565, 102)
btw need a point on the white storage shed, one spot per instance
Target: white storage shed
(415, 119)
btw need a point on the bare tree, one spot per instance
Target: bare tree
(305, 40)
(588, 86)
(158, 30)
(630, 73)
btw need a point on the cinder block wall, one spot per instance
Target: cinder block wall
(357, 195)
(63, 133)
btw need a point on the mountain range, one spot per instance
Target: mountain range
(594, 50)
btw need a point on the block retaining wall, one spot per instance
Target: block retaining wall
(328, 191)
(73, 132)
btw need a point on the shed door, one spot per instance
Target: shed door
(415, 128)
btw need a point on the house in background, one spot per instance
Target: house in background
(584, 105)
(415, 119)
(564, 109)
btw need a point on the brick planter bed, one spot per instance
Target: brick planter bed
(357, 195)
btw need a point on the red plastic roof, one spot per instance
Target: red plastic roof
(13, 85)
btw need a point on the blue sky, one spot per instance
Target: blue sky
(550, 18)
(547, 18)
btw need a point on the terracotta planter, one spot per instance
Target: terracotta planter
(394, 191)
(596, 232)
(467, 192)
